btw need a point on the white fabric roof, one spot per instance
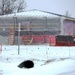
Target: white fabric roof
(30, 13)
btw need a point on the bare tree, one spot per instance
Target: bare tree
(20, 6)
(11, 6)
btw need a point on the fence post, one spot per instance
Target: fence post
(19, 38)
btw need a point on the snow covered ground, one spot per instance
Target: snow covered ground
(47, 60)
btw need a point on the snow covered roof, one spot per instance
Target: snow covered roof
(31, 13)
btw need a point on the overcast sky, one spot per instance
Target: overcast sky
(55, 6)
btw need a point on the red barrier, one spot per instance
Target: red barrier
(52, 40)
(47, 38)
(40, 39)
(24, 38)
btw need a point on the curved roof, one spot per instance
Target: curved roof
(30, 13)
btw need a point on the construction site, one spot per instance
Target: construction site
(36, 27)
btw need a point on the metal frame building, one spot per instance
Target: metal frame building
(34, 22)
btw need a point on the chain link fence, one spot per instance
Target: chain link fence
(29, 28)
(16, 31)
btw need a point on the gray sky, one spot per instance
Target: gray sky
(55, 6)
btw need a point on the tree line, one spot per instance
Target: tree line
(12, 6)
